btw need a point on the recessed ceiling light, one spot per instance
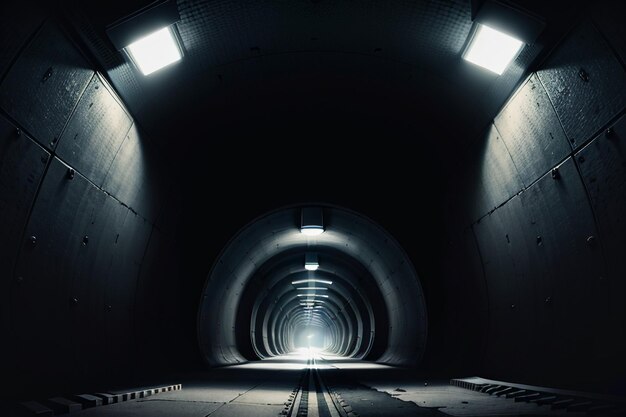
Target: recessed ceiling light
(311, 263)
(304, 281)
(312, 221)
(312, 295)
(155, 51)
(312, 288)
(312, 230)
(148, 36)
(492, 49)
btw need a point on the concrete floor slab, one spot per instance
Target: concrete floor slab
(153, 408)
(208, 393)
(268, 394)
(460, 402)
(246, 410)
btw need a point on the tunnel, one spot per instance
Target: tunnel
(312, 207)
(351, 288)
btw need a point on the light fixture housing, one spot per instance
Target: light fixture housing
(311, 262)
(501, 29)
(149, 36)
(312, 221)
(492, 49)
(155, 51)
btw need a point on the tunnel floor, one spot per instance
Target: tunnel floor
(309, 383)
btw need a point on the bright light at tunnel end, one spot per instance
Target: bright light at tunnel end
(492, 49)
(155, 51)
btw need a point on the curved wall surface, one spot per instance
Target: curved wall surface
(80, 192)
(537, 225)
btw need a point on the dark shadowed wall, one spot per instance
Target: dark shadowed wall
(536, 277)
(86, 291)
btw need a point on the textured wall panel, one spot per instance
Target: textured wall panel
(18, 22)
(133, 177)
(568, 268)
(43, 302)
(493, 176)
(603, 167)
(121, 289)
(92, 271)
(546, 298)
(506, 259)
(585, 82)
(532, 132)
(44, 85)
(22, 164)
(95, 132)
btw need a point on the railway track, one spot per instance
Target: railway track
(313, 398)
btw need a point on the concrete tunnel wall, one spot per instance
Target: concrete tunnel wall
(536, 278)
(85, 289)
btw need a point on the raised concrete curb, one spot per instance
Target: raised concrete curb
(71, 403)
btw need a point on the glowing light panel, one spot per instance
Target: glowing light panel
(492, 49)
(155, 51)
(304, 281)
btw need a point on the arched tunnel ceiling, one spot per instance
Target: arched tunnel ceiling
(257, 59)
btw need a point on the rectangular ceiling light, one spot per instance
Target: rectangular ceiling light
(304, 281)
(155, 51)
(149, 36)
(312, 288)
(492, 49)
(311, 263)
(312, 295)
(312, 221)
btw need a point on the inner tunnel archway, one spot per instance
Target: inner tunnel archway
(363, 299)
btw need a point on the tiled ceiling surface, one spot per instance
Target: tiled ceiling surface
(414, 46)
(422, 33)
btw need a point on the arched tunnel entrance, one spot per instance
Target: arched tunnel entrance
(350, 290)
